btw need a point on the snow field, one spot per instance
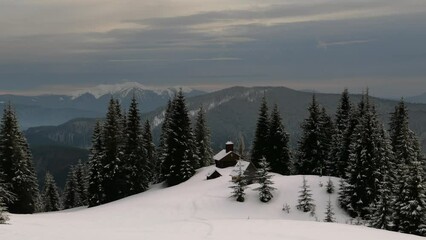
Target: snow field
(199, 209)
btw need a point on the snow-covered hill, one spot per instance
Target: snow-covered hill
(198, 209)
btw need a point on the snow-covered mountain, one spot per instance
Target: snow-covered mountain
(90, 102)
(200, 209)
(128, 89)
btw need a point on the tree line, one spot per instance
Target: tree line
(382, 170)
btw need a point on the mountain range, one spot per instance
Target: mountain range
(231, 115)
(417, 99)
(54, 109)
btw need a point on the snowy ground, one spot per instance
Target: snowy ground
(198, 209)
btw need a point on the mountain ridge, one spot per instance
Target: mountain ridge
(53, 109)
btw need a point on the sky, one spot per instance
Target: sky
(50, 46)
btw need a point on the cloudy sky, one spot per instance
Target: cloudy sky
(322, 45)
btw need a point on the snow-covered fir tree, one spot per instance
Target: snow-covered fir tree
(327, 127)
(330, 186)
(343, 128)
(114, 175)
(261, 137)
(5, 197)
(367, 156)
(17, 165)
(151, 155)
(96, 195)
(314, 144)
(51, 199)
(136, 167)
(305, 200)
(202, 139)
(408, 175)
(410, 206)
(181, 152)
(82, 183)
(263, 177)
(278, 152)
(329, 213)
(382, 210)
(71, 197)
(239, 184)
(163, 165)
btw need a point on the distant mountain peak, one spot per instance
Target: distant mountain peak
(123, 89)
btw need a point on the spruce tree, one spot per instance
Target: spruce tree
(408, 176)
(410, 207)
(96, 193)
(264, 179)
(151, 155)
(278, 152)
(382, 210)
(367, 157)
(239, 184)
(305, 201)
(51, 199)
(114, 176)
(202, 139)
(17, 164)
(261, 140)
(180, 144)
(82, 184)
(163, 165)
(326, 135)
(339, 147)
(330, 186)
(71, 196)
(315, 141)
(5, 197)
(329, 213)
(136, 166)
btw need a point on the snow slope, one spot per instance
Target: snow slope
(197, 209)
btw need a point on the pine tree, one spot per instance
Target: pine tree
(409, 205)
(137, 170)
(329, 213)
(339, 147)
(71, 196)
(278, 152)
(151, 155)
(239, 184)
(382, 212)
(17, 164)
(326, 135)
(82, 184)
(180, 144)
(5, 197)
(264, 179)
(51, 200)
(114, 174)
(202, 139)
(315, 142)
(306, 203)
(163, 167)
(96, 193)
(367, 156)
(261, 140)
(330, 186)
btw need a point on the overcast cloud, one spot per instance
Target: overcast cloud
(326, 45)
